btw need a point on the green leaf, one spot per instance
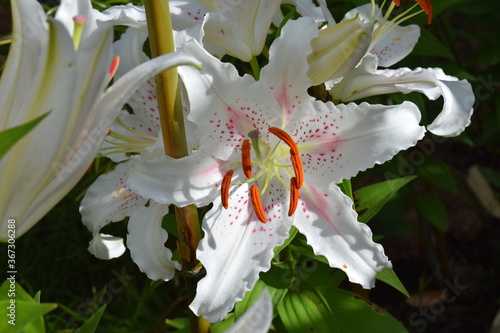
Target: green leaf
(91, 325)
(389, 276)
(370, 199)
(292, 234)
(304, 311)
(436, 172)
(355, 314)
(432, 209)
(428, 45)
(299, 244)
(26, 315)
(181, 324)
(9, 137)
(346, 188)
(222, 326)
(28, 311)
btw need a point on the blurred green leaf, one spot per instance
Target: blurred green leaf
(355, 314)
(299, 244)
(389, 276)
(9, 137)
(303, 311)
(370, 199)
(428, 45)
(28, 311)
(91, 325)
(432, 209)
(437, 172)
(181, 324)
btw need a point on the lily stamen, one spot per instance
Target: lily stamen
(294, 196)
(246, 160)
(297, 168)
(257, 204)
(224, 188)
(286, 138)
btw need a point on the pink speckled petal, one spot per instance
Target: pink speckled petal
(396, 44)
(225, 106)
(109, 199)
(339, 141)
(286, 73)
(143, 102)
(146, 239)
(186, 13)
(325, 216)
(235, 249)
(190, 180)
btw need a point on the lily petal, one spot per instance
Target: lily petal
(325, 216)
(240, 27)
(257, 318)
(458, 97)
(353, 138)
(146, 239)
(109, 199)
(106, 247)
(235, 249)
(189, 180)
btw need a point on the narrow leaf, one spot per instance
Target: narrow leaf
(91, 325)
(389, 276)
(370, 199)
(9, 137)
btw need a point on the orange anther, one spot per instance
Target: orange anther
(294, 196)
(246, 160)
(397, 2)
(224, 188)
(257, 204)
(286, 138)
(297, 168)
(427, 7)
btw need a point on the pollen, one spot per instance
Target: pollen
(246, 160)
(257, 204)
(224, 188)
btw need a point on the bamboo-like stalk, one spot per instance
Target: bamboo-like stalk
(161, 41)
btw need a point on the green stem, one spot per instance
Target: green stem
(254, 64)
(161, 40)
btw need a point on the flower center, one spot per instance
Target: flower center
(269, 165)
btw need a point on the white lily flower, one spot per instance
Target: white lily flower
(109, 199)
(269, 153)
(340, 47)
(50, 69)
(366, 80)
